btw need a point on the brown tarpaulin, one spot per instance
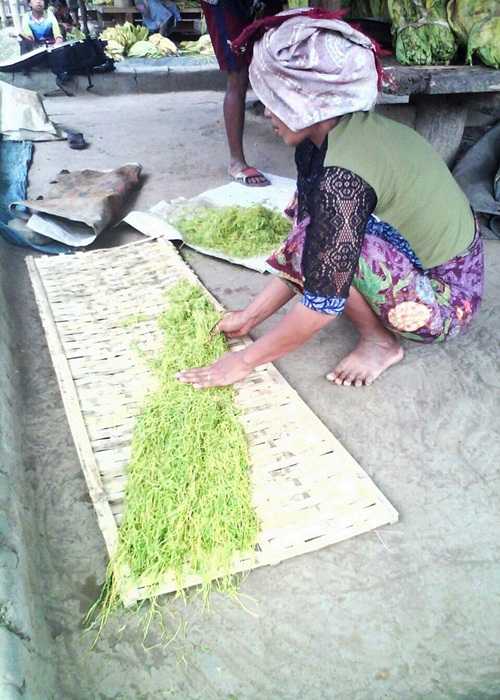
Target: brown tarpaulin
(92, 197)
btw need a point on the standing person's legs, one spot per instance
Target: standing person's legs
(225, 24)
(234, 117)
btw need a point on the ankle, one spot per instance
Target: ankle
(382, 338)
(239, 163)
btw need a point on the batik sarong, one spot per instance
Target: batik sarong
(427, 305)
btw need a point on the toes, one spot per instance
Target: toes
(360, 379)
(333, 377)
(341, 377)
(346, 378)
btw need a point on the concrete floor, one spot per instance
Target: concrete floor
(411, 611)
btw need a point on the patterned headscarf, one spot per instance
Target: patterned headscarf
(309, 69)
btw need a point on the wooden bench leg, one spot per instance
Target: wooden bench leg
(441, 120)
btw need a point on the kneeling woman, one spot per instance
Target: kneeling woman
(381, 230)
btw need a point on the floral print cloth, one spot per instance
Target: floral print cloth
(425, 305)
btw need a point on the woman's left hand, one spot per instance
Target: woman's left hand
(228, 369)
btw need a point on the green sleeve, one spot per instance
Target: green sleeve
(25, 27)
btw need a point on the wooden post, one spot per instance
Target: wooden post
(15, 14)
(3, 14)
(83, 15)
(441, 120)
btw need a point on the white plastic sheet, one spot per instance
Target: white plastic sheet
(157, 221)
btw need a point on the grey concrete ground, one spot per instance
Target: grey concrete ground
(411, 611)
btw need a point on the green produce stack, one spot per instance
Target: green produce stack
(476, 24)
(430, 32)
(422, 33)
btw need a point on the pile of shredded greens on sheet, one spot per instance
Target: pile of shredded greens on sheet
(188, 505)
(241, 232)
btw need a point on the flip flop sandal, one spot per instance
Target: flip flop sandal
(244, 177)
(76, 141)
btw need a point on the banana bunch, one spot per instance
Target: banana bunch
(157, 46)
(143, 49)
(203, 46)
(114, 50)
(165, 46)
(125, 34)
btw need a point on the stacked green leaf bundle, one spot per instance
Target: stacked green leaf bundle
(188, 497)
(369, 8)
(297, 4)
(241, 232)
(484, 40)
(423, 35)
(476, 24)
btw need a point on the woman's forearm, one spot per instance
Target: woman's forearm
(273, 297)
(298, 326)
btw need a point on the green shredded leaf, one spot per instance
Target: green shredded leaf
(188, 502)
(241, 232)
(133, 320)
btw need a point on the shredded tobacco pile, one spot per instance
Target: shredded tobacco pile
(188, 497)
(241, 232)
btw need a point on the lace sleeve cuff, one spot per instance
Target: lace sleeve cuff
(339, 208)
(332, 306)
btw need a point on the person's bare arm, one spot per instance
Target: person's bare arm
(273, 297)
(296, 328)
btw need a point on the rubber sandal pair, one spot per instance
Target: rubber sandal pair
(245, 176)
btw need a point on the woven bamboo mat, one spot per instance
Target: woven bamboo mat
(99, 312)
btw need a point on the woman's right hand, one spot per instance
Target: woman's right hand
(291, 207)
(235, 324)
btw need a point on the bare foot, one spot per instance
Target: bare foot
(366, 362)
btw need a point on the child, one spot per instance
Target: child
(62, 15)
(39, 27)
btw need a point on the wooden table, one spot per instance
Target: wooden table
(107, 15)
(441, 95)
(191, 23)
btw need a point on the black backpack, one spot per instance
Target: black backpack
(78, 58)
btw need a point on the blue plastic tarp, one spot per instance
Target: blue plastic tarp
(15, 160)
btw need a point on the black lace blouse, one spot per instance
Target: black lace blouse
(338, 204)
